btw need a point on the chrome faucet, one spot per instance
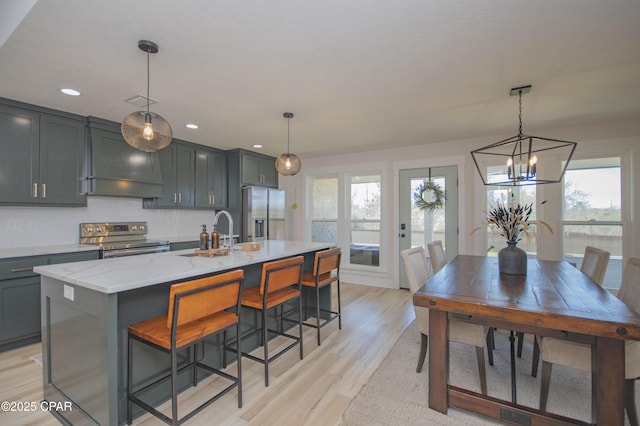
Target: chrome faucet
(230, 219)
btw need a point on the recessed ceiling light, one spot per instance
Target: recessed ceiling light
(257, 145)
(191, 126)
(70, 92)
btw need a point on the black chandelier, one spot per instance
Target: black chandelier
(516, 161)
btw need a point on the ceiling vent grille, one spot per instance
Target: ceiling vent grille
(140, 101)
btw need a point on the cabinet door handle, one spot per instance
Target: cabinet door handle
(22, 269)
(175, 198)
(44, 190)
(179, 197)
(213, 199)
(35, 190)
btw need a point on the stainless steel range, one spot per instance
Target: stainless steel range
(119, 239)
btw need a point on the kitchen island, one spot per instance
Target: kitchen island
(87, 307)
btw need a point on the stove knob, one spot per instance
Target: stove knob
(141, 227)
(98, 228)
(89, 228)
(134, 227)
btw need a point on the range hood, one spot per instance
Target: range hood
(116, 169)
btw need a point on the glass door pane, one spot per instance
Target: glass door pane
(418, 225)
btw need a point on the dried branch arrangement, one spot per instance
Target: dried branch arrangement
(511, 220)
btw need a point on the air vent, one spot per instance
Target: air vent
(140, 101)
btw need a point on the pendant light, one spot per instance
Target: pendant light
(288, 164)
(516, 161)
(145, 130)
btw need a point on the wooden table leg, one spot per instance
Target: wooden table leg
(438, 361)
(608, 381)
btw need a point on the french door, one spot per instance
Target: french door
(419, 224)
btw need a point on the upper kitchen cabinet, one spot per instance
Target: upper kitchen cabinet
(177, 163)
(211, 178)
(42, 156)
(253, 168)
(116, 168)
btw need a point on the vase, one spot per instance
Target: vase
(512, 260)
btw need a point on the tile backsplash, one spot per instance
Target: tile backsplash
(40, 226)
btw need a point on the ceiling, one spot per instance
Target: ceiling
(357, 74)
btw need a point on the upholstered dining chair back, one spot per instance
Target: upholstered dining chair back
(437, 256)
(594, 264)
(416, 267)
(630, 289)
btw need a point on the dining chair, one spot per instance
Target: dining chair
(594, 264)
(578, 355)
(436, 255)
(197, 309)
(326, 271)
(417, 269)
(280, 284)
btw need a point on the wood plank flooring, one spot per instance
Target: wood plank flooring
(314, 391)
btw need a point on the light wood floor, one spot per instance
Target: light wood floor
(314, 391)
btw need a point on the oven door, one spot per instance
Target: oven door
(133, 251)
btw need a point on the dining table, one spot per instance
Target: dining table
(553, 298)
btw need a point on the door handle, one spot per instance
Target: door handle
(402, 235)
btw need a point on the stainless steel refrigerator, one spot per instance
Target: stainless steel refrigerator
(262, 214)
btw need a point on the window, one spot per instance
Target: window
(364, 248)
(324, 210)
(427, 226)
(592, 214)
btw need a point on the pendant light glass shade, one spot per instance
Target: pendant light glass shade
(288, 164)
(145, 130)
(523, 159)
(152, 138)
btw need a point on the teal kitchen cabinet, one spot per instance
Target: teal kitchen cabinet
(42, 156)
(211, 179)
(184, 245)
(247, 168)
(117, 169)
(20, 296)
(256, 169)
(177, 165)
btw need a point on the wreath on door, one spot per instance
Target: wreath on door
(429, 196)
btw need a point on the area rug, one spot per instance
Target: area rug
(397, 395)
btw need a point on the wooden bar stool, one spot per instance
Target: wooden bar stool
(197, 309)
(326, 270)
(280, 283)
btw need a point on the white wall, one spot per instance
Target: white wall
(34, 226)
(29, 226)
(621, 137)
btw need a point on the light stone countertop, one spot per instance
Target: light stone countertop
(45, 250)
(128, 273)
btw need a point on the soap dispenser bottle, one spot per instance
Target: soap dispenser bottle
(215, 238)
(204, 238)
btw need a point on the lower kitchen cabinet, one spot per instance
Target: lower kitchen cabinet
(20, 296)
(183, 245)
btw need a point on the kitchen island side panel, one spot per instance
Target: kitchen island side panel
(79, 347)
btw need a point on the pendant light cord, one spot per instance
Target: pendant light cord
(288, 120)
(520, 113)
(147, 82)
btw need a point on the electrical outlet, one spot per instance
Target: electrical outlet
(69, 292)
